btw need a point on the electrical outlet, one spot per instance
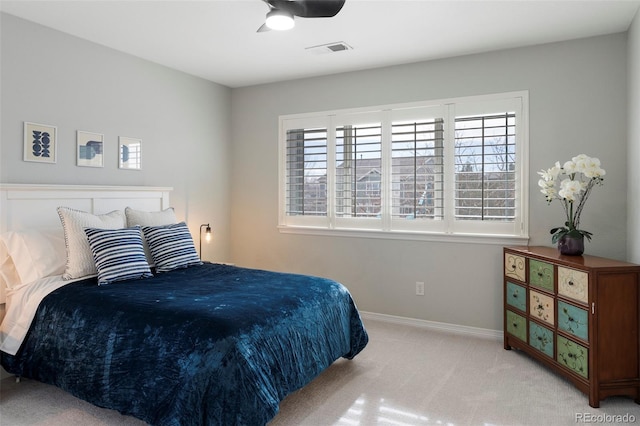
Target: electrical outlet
(419, 288)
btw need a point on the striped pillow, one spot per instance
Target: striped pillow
(118, 253)
(171, 246)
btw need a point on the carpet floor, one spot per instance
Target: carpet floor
(406, 376)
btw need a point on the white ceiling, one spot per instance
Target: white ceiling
(217, 39)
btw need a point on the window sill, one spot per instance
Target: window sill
(508, 240)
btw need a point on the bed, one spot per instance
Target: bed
(182, 343)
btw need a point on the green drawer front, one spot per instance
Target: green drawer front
(517, 325)
(573, 356)
(541, 274)
(517, 296)
(541, 338)
(573, 320)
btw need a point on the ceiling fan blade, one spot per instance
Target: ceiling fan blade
(321, 8)
(309, 8)
(263, 28)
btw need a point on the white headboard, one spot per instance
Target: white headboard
(34, 206)
(26, 206)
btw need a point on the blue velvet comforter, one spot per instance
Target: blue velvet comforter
(206, 345)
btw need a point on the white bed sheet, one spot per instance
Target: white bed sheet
(22, 303)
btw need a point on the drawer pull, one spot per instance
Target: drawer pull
(570, 282)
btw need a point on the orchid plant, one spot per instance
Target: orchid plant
(576, 180)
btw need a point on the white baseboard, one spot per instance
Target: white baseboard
(433, 325)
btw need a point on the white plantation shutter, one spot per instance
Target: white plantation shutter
(417, 160)
(306, 171)
(485, 167)
(358, 170)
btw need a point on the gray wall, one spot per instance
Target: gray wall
(184, 122)
(633, 195)
(578, 105)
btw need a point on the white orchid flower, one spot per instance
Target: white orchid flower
(580, 174)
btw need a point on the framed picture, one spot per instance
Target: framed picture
(130, 153)
(90, 149)
(40, 142)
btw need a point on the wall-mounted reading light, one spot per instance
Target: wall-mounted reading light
(207, 235)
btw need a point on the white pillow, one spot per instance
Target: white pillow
(9, 277)
(80, 262)
(142, 218)
(35, 254)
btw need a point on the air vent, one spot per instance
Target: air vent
(338, 46)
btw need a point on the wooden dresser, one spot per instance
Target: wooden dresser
(578, 315)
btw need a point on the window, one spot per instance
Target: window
(442, 168)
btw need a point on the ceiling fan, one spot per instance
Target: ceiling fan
(281, 12)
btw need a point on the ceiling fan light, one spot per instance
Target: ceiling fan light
(279, 20)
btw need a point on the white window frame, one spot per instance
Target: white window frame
(450, 230)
